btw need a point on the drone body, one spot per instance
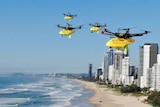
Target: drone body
(95, 29)
(69, 18)
(119, 43)
(66, 32)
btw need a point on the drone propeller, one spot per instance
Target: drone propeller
(72, 15)
(69, 14)
(98, 24)
(95, 24)
(127, 29)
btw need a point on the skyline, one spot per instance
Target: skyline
(30, 41)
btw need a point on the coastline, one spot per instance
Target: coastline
(105, 97)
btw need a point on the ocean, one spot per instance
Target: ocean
(24, 90)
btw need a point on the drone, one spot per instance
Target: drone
(68, 30)
(96, 27)
(69, 16)
(124, 35)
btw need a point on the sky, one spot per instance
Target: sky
(30, 40)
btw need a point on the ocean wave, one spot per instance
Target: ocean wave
(12, 102)
(60, 104)
(12, 90)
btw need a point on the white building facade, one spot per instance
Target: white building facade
(108, 60)
(116, 77)
(155, 81)
(150, 51)
(125, 71)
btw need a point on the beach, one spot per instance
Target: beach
(106, 97)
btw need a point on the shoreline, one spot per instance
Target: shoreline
(105, 97)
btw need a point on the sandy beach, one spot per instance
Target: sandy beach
(105, 97)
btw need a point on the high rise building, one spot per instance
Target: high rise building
(108, 60)
(132, 71)
(125, 71)
(110, 73)
(116, 75)
(140, 68)
(155, 75)
(98, 73)
(148, 57)
(90, 71)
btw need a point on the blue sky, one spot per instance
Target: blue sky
(30, 43)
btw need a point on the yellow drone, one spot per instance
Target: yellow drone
(121, 40)
(69, 16)
(96, 27)
(68, 30)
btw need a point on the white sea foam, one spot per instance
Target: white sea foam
(60, 104)
(67, 86)
(52, 93)
(64, 104)
(6, 90)
(12, 102)
(12, 90)
(56, 93)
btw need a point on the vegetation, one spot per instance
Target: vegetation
(154, 99)
(131, 89)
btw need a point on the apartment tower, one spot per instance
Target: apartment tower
(147, 58)
(108, 60)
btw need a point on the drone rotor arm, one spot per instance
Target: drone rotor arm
(146, 32)
(64, 14)
(137, 34)
(90, 24)
(141, 34)
(106, 32)
(59, 26)
(79, 27)
(111, 33)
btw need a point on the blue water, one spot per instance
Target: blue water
(41, 91)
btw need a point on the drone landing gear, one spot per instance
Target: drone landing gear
(70, 36)
(98, 32)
